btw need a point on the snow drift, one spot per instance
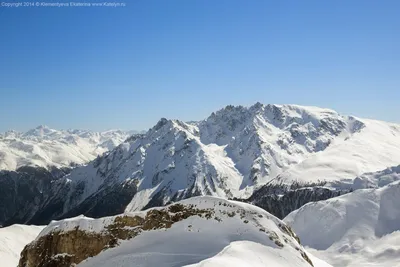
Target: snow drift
(12, 241)
(357, 229)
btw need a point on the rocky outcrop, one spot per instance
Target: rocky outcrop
(64, 248)
(202, 219)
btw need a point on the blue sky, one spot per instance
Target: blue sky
(102, 68)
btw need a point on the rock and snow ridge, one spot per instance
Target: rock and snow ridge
(200, 231)
(231, 154)
(45, 147)
(361, 228)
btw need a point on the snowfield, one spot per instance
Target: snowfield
(251, 254)
(374, 148)
(236, 234)
(361, 228)
(45, 147)
(13, 239)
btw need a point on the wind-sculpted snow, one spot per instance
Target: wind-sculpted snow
(45, 147)
(201, 231)
(13, 239)
(361, 228)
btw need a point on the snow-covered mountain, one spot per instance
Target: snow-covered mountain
(13, 239)
(238, 149)
(45, 147)
(361, 228)
(234, 153)
(202, 231)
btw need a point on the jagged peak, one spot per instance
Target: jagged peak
(257, 106)
(171, 124)
(288, 110)
(231, 108)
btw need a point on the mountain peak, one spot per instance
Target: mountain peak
(42, 127)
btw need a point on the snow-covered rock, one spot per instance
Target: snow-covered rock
(13, 239)
(45, 147)
(361, 228)
(201, 231)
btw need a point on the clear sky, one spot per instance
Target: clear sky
(126, 67)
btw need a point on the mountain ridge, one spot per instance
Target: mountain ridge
(46, 147)
(231, 154)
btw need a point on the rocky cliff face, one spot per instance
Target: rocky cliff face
(33, 195)
(24, 191)
(280, 200)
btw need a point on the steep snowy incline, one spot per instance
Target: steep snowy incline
(265, 140)
(13, 239)
(375, 147)
(361, 228)
(45, 147)
(201, 231)
(167, 163)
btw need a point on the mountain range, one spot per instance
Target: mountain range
(46, 147)
(174, 181)
(238, 152)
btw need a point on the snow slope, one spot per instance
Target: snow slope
(252, 254)
(373, 148)
(361, 228)
(47, 147)
(13, 239)
(219, 233)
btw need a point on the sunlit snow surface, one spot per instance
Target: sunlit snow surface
(358, 229)
(13, 239)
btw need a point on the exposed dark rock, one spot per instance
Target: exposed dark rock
(21, 192)
(34, 195)
(280, 200)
